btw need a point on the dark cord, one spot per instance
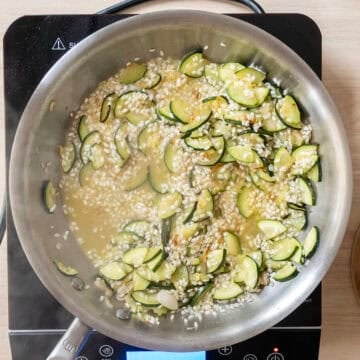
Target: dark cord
(251, 4)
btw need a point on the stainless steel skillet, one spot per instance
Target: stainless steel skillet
(76, 74)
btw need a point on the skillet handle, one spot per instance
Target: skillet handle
(70, 343)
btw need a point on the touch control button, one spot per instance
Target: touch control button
(225, 351)
(275, 356)
(106, 350)
(81, 358)
(250, 357)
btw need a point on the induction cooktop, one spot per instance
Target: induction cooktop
(32, 45)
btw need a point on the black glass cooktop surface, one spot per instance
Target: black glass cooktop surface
(32, 45)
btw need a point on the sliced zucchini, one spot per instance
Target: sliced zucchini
(113, 271)
(145, 298)
(127, 237)
(122, 144)
(275, 90)
(247, 96)
(180, 278)
(258, 181)
(135, 256)
(224, 269)
(150, 81)
(227, 71)
(132, 73)
(149, 138)
(227, 158)
(189, 213)
(169, 204)
(187, 129)
(288, 112)
(155, 263)
(212, 156)
(283, 161)
(308, 196)
(139, 227)
(50, 197)
(251, 75)
(166, 113)
(172, 154)
(201, 293)
(221, 128)
(163, 272)
(238, 117)
(284, 249)
(137, 179)
(137, 118)
(232, 243)
(227, 292)
(212, 74)
(217, 103)
(83, 129)
(246, 201)
(246, 271)
(261, 94)
(305, 157)
(272, 124)
(153, 253)
(292, 136)
(204, 207)
(297, 207)
(196, 133)
(85, 174)
(107, 105)
(243, 95)
(90, 140)
(275, 265)
(135, 106)
(200, 143)
(215, 259)
(287, 272)
(271, 228)
(311, 242)
(67, 157)
(97, 156)
(65, 269)
(191, 116)
(139, 282)
(243, 153)
(258, 257)
(251, 138)
(267, 173)
(315, 173)
(181, 110)
(298, 255)
(297, 221)
(159, 177)
(187, 231)
(193, 64)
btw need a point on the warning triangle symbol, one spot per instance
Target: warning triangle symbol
(58, 45)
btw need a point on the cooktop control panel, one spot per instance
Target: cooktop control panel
(274, 344)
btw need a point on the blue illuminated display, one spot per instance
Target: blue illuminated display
(157, 355)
